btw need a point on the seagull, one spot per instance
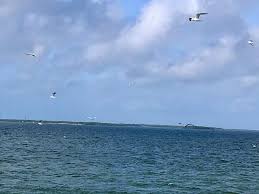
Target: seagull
(251, 42)
(92, 118)
(31, 54)
(196, 18)
(53, 96)
(40, 123)
(254, 146)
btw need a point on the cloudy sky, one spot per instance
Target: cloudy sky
(131, 61)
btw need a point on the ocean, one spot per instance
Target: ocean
(66, 159)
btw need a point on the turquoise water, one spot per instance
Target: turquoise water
(92, 159)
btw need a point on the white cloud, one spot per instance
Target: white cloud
(153, 25)
(158, 29)
(207, 63)
(160, 51)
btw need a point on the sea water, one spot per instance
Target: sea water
(130, 159)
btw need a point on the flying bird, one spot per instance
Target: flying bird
(92, 118)
(40, 123)
(196, 18)
(31, 54)
(254, 146)
(53, 96)
(251, 42)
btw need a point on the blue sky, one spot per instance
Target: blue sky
(132, 8)
(89, 51)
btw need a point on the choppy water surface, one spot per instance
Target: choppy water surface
(87, 159)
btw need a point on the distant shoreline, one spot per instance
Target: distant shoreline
(101, 123)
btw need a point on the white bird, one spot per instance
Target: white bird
(251, 42)
(53, 96)
(40, 123)
(254, 146)
(31, 54)
(92, 118)
(196, 18)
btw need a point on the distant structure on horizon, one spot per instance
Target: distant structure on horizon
(189, 125)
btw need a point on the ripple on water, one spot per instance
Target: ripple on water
(104, 159)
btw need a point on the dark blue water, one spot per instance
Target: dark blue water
(85, 159)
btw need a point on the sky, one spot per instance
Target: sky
(131, 61)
